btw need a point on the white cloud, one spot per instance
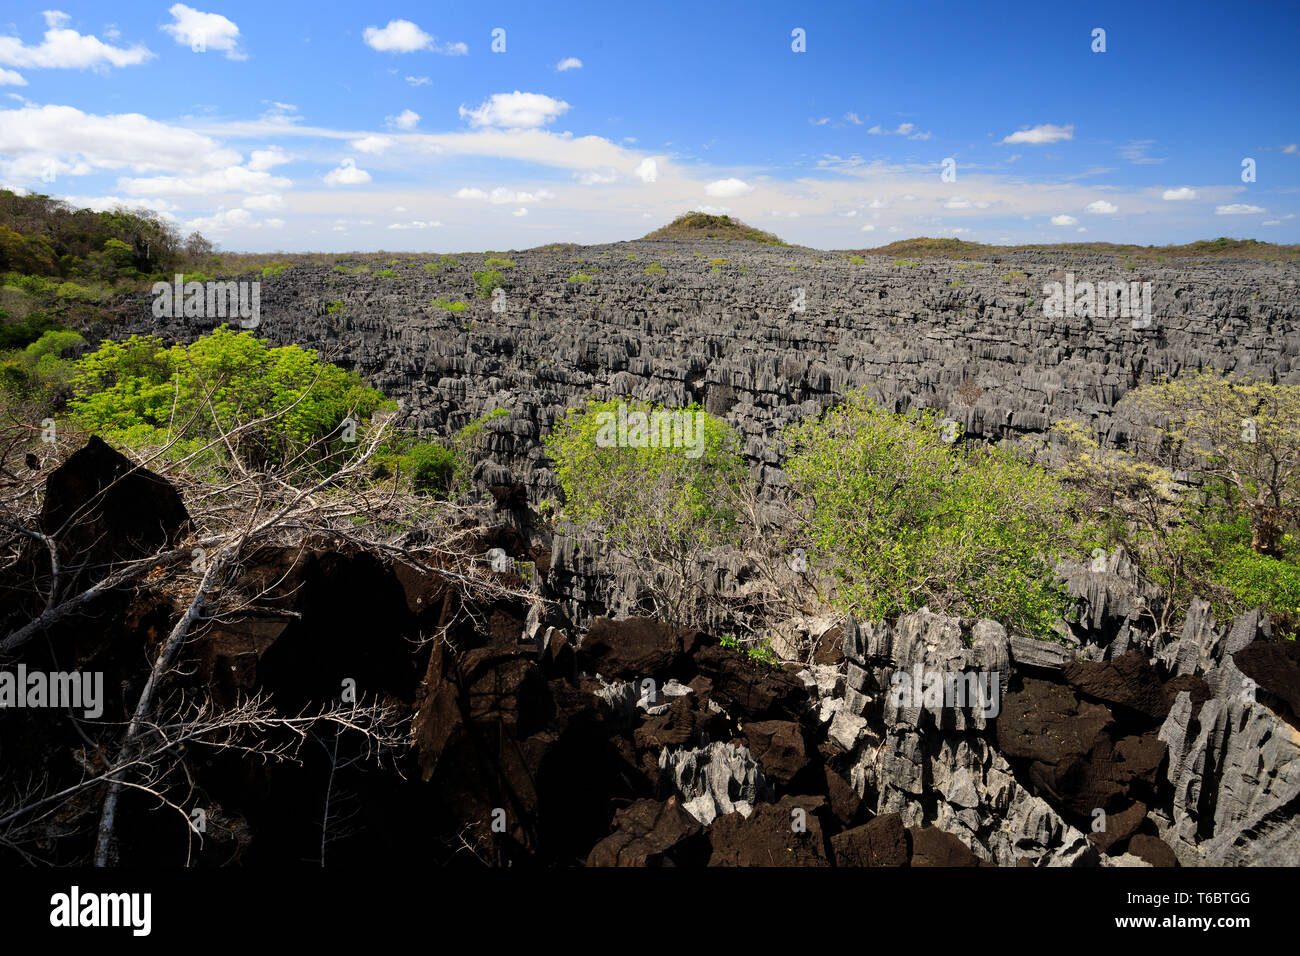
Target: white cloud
(10, 78)
(268, 224)
(203, 31)
(1038, 135)
(415, 224)
(418, 81)
(221, 222)
(232, 179)
(569, 63)
(595, 177)
(1064, 221)
(110, 203)
(347, 174)
(68, 49)
(1101, 207)
(127, 140)
(868, 228)
(263, 159)
(267, 202)
(1135, 151)
(819, 122)
(1237, 209)
(521, 211)
(515, 111)
(501, 196)
(647, 170)
(854, 118)
(400, 36)
(957, 202)
(714, 210)
(1291, 148)
(728, 188)
(407, 119)
(371, 144)
(1182, 192)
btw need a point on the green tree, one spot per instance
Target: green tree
(1244, 435)
(902, 518)
(275, 404)
(662, 507)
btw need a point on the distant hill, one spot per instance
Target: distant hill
(699, 225)
(1221, 248)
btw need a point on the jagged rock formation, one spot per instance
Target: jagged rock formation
(767, 335)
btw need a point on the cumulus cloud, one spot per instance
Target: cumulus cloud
(569, 63)
(1064, 220)
(347, 174)
(263, 159)
(595, 177)
(407, 119)
(416, 224)
(232, 179)
(1039, 135)
(68, 49)
(728, 188)
(515, 111)
(647, 170)
(203, 31)
(501, 196)
(11, 78)
(371, 144)
(400, 36)
(418, 81)
(221, 222)
(1101, 207)
(126, 140)
(1182, 192)
(1237, 209)
(268, 202)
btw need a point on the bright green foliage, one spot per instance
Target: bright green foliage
(903, 519)
(441, 303)
(140, 393)
(1241, 433)
(660, 506)
(579, 277)
(274, 269)
(487, 281)
(39, 372)
(492, 262)
(431, 467)
(387, 273)
(857, 260)
(653, 268)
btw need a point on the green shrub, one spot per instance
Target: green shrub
(653, 268)
(441, 303)
(494, 263)
(431, 466)
(579, 277)
(487, 281)
(387, 273)
(904, 519)
(140, 393)
(274, 269)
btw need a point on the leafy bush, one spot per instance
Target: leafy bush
(653, 268)
(658, 506)
(903, 519)
(487, 281)
(274, 269)
(495, 263)
(141, 393)
(431, 466)
(441, 303)
(579, 277)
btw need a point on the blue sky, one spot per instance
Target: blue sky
(333, 127)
